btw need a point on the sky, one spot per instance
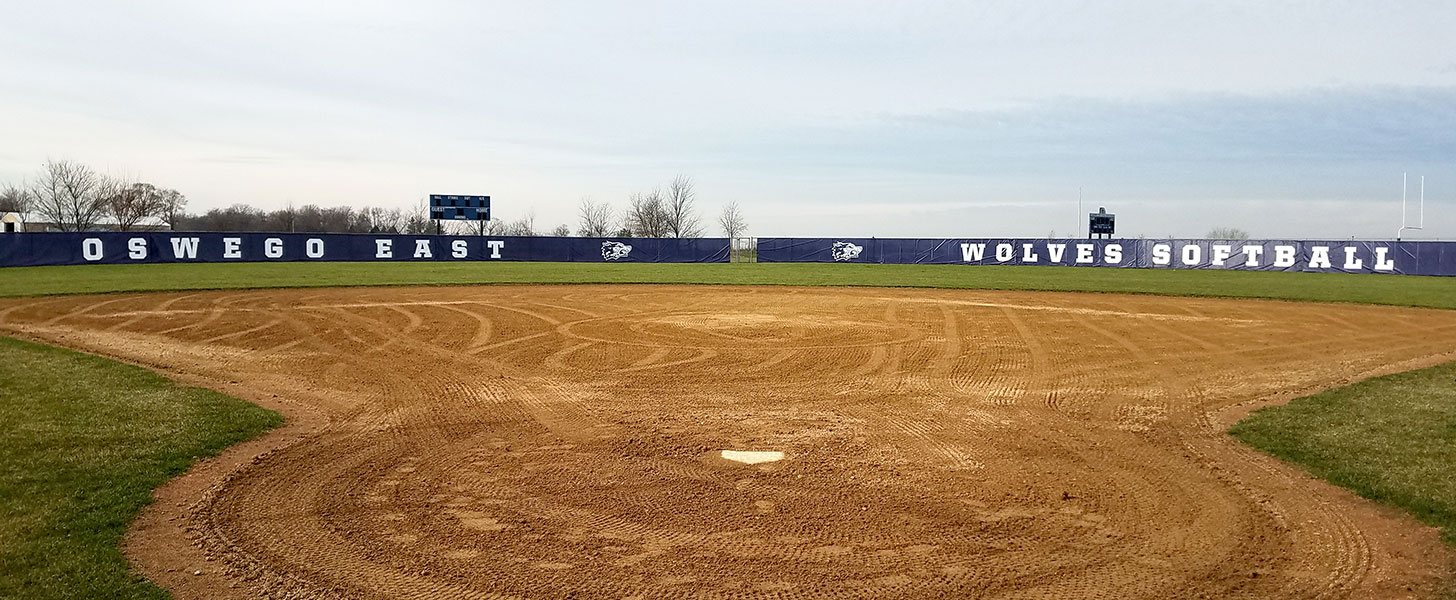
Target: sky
(889, 119)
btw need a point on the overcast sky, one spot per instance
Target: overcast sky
(820, 118)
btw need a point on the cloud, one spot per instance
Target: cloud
(1330, 126)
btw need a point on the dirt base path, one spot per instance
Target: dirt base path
(552, 442)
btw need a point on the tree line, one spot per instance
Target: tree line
(70, 196)
(669, 212)
(74, 197)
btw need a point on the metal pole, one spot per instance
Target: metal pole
(1080, 216)
(1398, 232)
(1421, 210)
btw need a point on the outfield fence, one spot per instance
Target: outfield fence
(1326, 256)
(37, 249)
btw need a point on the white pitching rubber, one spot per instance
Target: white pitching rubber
(752, 457)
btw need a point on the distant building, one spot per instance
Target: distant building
(16, 222)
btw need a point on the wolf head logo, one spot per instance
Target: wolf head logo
(846, 251)
(615, 250)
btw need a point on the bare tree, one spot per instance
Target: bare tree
(524, 226)
(417, 220)
(238, 217)
(343, 219)
(377, 219)
(561, 231)
(309, 218)
(731, 220)
(1227, 233)
(482, 227)
(173, 205)
(14, 199)
(395, 220)
(647, 215)
(284, 219)
(70, 195)
(129, 205)
(454, 227)
(681, 214)
(362, 220)
(596, 219)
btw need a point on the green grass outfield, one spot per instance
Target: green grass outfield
(1390, 439)
(1436, 292)
(85, 439)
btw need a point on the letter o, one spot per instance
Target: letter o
(1004, 252)
(314, 248)
(91, 249)
(1192, 254)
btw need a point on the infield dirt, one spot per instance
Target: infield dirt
(566, 441)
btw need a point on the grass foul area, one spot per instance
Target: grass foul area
(83, 441)
(1391, 439)
(1435, 292)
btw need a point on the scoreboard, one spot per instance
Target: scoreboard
(463, 208)
(1101, 223)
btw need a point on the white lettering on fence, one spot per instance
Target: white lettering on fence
(1381, 262)
(1192, 255)
(1351, 262)
(1055, 252)
(184, 247)
(973, 252)
(1162, 254)
(1284, 256)
(1357, 257)
(1084, 253)
(313, 248)
(1220, 253)
(232, 247)
(1319, 257)
(1112, 254)
(1251, 255)
(1004, 252)
(91, 249)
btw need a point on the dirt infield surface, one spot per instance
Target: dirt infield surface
(565, 441)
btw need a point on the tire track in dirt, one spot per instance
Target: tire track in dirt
(164, 307)
(1039, 363)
